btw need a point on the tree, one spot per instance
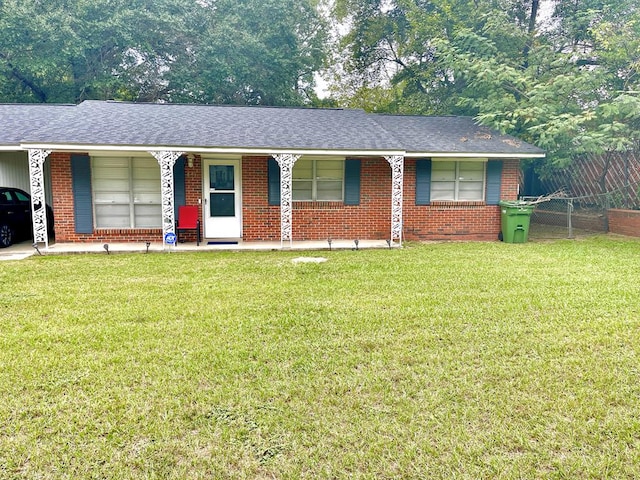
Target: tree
(566, 80)
(253, 52)
(394, 44)
(220, 51)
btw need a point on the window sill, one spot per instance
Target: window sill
(310, 205)
(116, 231)
(451, 204)
(458, 203)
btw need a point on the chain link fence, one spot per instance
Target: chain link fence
(571, 217)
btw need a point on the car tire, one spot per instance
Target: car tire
(6, 235)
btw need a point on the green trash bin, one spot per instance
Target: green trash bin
(516, 217)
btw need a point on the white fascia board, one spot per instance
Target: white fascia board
(474, 155)
(267, 151)
(204, 150)
(10, 148)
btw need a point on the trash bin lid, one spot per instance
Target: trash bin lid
(516, 204)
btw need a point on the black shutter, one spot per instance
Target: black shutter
(179, 189)
(423, 181)
(81, 187)
(352, 181)
(274, 182)
(494, 181)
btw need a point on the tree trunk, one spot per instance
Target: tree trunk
(530, 32)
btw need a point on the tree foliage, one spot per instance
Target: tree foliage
(223, 51)
(562, 74)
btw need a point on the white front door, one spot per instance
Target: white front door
(222, 199)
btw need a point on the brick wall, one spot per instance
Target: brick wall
(311, 220)
(454, 220)
(62, 193)
(318, 220)
(624, 222)
(62, 196)
(260, 221)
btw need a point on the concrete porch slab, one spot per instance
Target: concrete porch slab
(26, 249)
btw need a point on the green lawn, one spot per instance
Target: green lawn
(446, 360)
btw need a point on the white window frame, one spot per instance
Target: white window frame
(315, 179)
(132, 203)
(457, 180)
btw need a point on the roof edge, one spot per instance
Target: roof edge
(222, 150)
(268, 151)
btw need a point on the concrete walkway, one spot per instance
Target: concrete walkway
(26, 249)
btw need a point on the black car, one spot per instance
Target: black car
(15, 216)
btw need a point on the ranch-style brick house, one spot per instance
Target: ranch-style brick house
(118, 172)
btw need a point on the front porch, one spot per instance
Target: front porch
(25, 249)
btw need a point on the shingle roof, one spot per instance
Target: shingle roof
(208, 126)
(17, 121)
(425, 134)
(117, 123)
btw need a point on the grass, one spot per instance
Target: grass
(448, 360)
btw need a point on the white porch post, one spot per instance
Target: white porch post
(167, 159)
(38, 200)
(397, 179)
(286, 162)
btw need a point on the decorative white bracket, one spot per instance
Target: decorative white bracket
(167, 159)
(397, 174)
(286, 162)
(38, 200)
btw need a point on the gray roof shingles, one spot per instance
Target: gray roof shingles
(17, 121)
(115, 123)
(451, 135)
(209, 126)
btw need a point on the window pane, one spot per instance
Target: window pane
(318, 179)
(222, 204)
(112, 216)
(329, 191)
(106, 174)
(221, 177)
(330, 169)
(112, 162)
(154, 198)
(111, 191)
(457, 180)
(103, 184)
(302, 190)
(471, 171)
(21, 196)
(6, 198)
(112, 197)
(303, 169)
(144, 185)
(120, 182)
(148, 216)
(470, 191)
(443, 190)
(145, 163)
(443, 171)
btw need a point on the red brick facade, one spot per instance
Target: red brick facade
(319, 220)
(311, 220)
(624, 222)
